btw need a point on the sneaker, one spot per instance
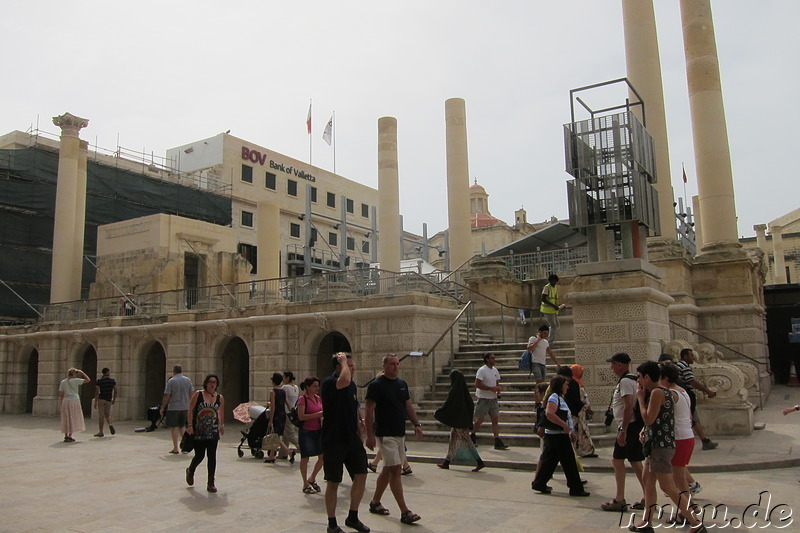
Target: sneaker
(500, 445)
(111, 428)
(336, 529)
(695, 487)
(356, 524)
(709, 445)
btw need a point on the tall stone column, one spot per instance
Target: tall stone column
(268, 233)
(709, 130)
(67, 245)
(777, 251)
(460, 246)
(80, 215)
(644, 72)
(389, 251)
(761, 242)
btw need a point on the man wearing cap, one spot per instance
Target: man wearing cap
(628, 425)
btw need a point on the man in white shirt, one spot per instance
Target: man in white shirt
(539, 347)
(487, 384)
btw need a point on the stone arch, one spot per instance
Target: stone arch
(31, 379)
(87, 357)
(21, 381)
(153, 374)
(327, 345)
(234, 359)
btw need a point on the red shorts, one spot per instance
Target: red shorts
(683, 452)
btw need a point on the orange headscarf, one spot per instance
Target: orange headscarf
(577, 373)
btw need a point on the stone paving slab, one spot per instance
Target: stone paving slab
(130, 483)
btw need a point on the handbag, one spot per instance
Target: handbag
(187, 442)
(272, 441)
(294, 417)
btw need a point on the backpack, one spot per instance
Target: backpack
(294, 416)
(525, 361)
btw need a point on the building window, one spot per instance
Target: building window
(314, 194)
(247, 219)
(331, 200)
(291, 187)
(270, 181)
(333, 238)
(247, 173)
(249, 252)
(365, 210)
(350, 205)
(365, 247)
(294, 230)
(351, 243)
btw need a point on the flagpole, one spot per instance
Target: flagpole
(309, 131)
(334, 141)
(684, 182)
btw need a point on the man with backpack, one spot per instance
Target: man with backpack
(628, 424)
(538, 347)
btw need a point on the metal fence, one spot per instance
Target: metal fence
(340, 285)
(539, 265)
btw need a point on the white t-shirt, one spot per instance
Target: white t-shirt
(626, 387)
(489, 377)
(292, 393)
(539, 353)
(683, 417)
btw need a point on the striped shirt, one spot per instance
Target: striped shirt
(106, 385)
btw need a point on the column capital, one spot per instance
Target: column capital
(760, 228)
(775, 229)
(70, 124)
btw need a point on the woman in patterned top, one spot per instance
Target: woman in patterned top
(206, 419)
(658, 437)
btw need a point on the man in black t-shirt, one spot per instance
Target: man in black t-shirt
(105, 395)
(341, 442)
(388, 405)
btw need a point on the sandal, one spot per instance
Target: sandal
(315, 486)
(291, 459)
(378, 508)
(308, 489)
(409, 517)
(407, 472)
(372, 467)
(639, 506)
(614, 505)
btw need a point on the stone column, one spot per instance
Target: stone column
(709, 130)
(389, 252)
(644, 72)
(779, 277)
(67, 245)
(268, 233)
(268, 240)
(460, 247)
(80, 216)
(761, 242)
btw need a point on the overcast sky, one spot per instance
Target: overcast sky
(162, 74)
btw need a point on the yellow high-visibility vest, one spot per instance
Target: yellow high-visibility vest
(553, 297)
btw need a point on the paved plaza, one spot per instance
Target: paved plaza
(129, 482)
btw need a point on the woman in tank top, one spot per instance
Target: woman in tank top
(206, 419)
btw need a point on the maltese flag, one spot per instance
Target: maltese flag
(328, 133)
(308, 120)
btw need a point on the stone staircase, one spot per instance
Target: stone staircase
(516, 400)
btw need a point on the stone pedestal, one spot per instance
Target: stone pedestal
(617, 306)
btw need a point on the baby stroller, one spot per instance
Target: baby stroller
(256, 432)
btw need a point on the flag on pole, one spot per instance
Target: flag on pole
(684, 174)
(328, 133)
(308, 119)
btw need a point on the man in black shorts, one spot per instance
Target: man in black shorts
(341, 441)
(628, 425)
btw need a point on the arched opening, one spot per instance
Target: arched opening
(32, 381)
(235, 376)
(89, 366)
(155, 376)
(330, 344)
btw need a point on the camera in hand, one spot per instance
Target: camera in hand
(609, 417)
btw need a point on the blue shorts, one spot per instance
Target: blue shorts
(310, 442)
(538, 371)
